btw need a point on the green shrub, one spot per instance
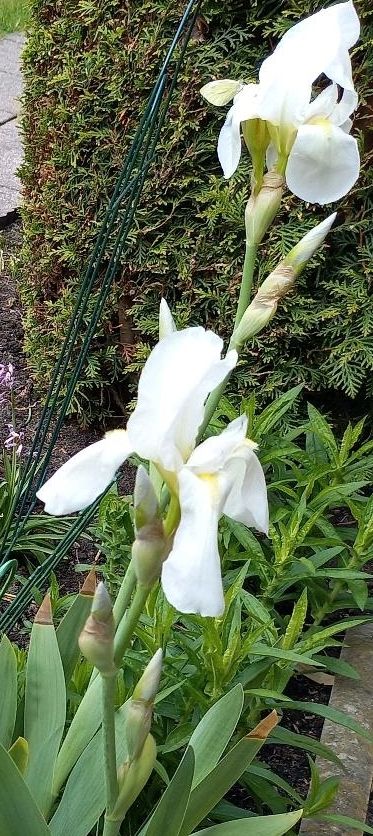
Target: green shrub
(89, 67)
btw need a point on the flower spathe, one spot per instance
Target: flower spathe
(222, 476)
(309, 140)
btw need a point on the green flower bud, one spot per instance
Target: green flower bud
(302, 252)
(140, 707)
(149, 550)
(264, 305)
(145, 500)
(263, 207)
(132, 779)
(96, 640)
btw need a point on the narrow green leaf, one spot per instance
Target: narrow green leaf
(19, 815)
(68, 631)
(278, 653)
(8, 703)
(169, 815)
(319, 636)
(257, 826)
(45, 706)
(19, 754)
(333, 714)
(339, 666)
(83, 800)
(355, 824)
(307, 744)
(296, 622)
(84, 726)
(219, 780)
(214, 732)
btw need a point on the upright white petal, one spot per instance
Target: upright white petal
(247, 500)
(323, 164)
(191, 575)
(177, 377)
(79, 481)
(344, 108)
(166, 321)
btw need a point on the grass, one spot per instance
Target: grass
(14, 15)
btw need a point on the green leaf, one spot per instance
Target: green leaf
(19, 754)
(216, 784)
(214, 732)
(257, 826)
(308, 744)
(333, 714)
(70, 627)
(273, 413)
(45, 706)
(320, 426)
(339, 666)
(296, 622)
(169, 815)
(84, 726)
(278, 653)
(8, 705)
(19, 815)
(336, 818)
(83, 800)
(321, 636)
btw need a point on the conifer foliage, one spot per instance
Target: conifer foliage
(89, 67)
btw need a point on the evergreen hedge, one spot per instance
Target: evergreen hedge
(89, 66)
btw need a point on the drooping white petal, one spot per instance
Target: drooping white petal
(220, 92)
(79, 481)
(177, 377)
(191, 575)
(166, 321)
(323, 164)
(229, 144)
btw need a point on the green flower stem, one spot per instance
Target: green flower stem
(247, 280)
(108, 733)
(111, 827)
(125, 594)
(128, 623)
(243, 301)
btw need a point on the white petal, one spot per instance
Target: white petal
(323, 164)
(247, 499)
(166, 321)
(177, 377)
(236, 474)
(191, 575)
(229, 144)
(318, 44)
(212, 454)
(344, 108)
(220, 92)
(324, 104)
(79, 481)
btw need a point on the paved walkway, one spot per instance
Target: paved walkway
(10, 142)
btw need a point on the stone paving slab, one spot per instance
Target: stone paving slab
(10, 52)
(11, 152)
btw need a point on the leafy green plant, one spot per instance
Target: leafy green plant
(28, 764)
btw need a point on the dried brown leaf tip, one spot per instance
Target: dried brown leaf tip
(44, 613)
(89, 585)
(263, 729)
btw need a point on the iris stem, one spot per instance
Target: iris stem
(108, 733)
(125, 594)
(247, 281)
(128, 623)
